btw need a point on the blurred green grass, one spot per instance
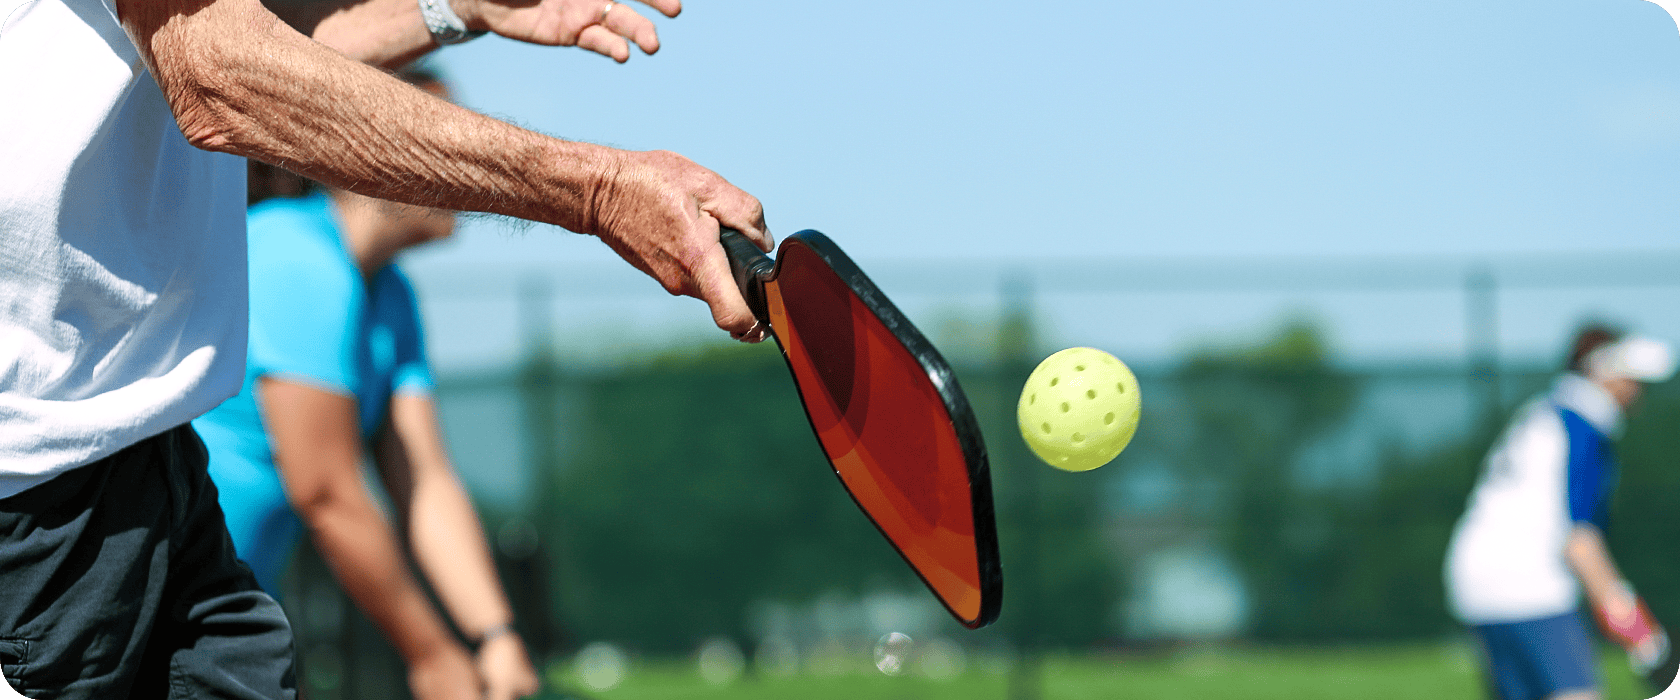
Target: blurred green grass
(1389, 672)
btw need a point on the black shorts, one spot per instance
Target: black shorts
(118, 580)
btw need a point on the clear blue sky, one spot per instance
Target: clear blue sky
(1130, 131)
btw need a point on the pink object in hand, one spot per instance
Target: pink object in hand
(1631, 627)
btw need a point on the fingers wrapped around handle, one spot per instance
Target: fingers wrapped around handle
(665, 215)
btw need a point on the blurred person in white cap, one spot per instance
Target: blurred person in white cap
(1531, 541)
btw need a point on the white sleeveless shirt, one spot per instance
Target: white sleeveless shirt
(122, 248)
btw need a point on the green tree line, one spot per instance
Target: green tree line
(698, 489)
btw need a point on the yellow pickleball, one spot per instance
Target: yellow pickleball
(1079, 409)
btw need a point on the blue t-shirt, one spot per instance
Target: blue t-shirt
(314, 320)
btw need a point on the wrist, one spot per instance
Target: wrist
(492, 633)
(1624, 590)
(578, 181)
(435, 652)
(420, 643)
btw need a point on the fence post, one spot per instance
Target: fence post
(1016, 344)
(1481, 315)
(524, 555)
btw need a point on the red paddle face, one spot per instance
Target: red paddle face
(888, 431)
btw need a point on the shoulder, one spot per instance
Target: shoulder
(295, 250)
(1539, 418)
(1585, 439)
(300, 229)
(285, 213)
(1576, 423)
(1537, 431)
(305, 293)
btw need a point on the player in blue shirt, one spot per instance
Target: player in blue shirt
(1531, 541)
(336, 374)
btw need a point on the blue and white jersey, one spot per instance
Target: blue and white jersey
(1552, 469)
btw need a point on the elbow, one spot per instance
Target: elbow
(310, 505)
(207, 86)
(315, 503)
(1583, 533)
(1583, 542)
(206, 130)
(206, 110)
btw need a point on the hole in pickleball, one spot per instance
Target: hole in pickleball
(1046, 428)
(1079, 368)
(1065, 407)
(1079, 437)
(1120, 387)
(1032, 399)
(1108, 419)
(1090, 393)
(1055, 380)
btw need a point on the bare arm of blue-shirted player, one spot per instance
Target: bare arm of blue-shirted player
(318, 450)
(448, 542)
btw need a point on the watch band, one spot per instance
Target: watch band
(495, 631)
(446, 26)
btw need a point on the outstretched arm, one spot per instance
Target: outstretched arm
(241, 81)
(318, 451)
(449, 544)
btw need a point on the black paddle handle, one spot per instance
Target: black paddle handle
(752, 268)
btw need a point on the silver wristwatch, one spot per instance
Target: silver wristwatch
(446, 26)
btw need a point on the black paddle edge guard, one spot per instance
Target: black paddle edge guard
(749, 267)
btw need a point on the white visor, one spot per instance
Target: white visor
(1633, 357)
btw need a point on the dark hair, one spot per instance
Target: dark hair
(264, 181)
(1590, 337)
